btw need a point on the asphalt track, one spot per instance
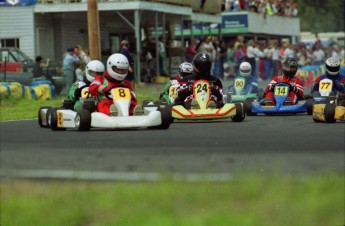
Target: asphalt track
(261, 144)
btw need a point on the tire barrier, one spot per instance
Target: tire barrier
(38, 90)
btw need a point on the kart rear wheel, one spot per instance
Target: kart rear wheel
(40, 119)
(310, 104)
(248, 107)
(53, 119)
(329, 113)
(83, 120)
(240, 115)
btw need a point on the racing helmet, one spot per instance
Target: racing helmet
(202, 64)
(117, 66)
(332, 66)
(245, 69)
(185, 69)
(93, 68)
(290, 67)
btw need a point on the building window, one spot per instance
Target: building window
(10, 42)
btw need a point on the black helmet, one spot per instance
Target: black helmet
(202, 63)
(332, 66)
(290, 67)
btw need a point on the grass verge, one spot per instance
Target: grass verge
(252, 200)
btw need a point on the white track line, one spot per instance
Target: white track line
(113, 176)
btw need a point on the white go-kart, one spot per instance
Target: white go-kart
(150, 115)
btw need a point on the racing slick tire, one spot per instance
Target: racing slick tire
(329, 112)
(240, 115)
(165, 110)
(310, 104)
(53, 119)
(89, 105)
(40, 119)
(83, 120)
(248, 107)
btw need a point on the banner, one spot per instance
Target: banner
(17, 2)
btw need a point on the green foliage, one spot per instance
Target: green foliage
(321, 16)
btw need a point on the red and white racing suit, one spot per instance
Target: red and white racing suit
(294, 82)
(96, 89)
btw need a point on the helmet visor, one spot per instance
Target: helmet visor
(119, 70)
(94, 73)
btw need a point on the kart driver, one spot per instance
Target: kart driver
(332, 72)
(114, 76)
(93, 68)
(289, 69)
(185, 69)
(202, 70)
(250, 81)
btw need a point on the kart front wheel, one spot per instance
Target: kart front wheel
(310, 104)
(329, 113)
(83, 120)
(40, 118)
(240, 115)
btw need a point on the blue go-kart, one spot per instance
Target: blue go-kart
(281, 92)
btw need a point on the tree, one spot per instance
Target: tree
(321, 15)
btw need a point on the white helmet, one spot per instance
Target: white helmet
(332, 66)
(245, 69)
(93, 68)
(185, 69)
(117, 66)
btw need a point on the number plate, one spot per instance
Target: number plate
(121, 93)
(281, 91)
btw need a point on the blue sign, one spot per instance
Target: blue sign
(17, 2)
(235, 23)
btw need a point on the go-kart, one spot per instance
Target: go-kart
(157, 116)
(324, 95)
(87, 101)
(201, 94)
(241, 94)
(324, 106)
(170, 98)
(281, 92)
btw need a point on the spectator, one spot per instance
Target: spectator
(231, 59)
(38, 67)
(124, 49)
(190, 52)
(275, 59)
(240, 56)
(87, 57)
(162, 57)
(318, 55)
(252, 53)
(68, 68)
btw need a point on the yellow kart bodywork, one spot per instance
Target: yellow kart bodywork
(227, 111)
(202, 93)
(328, 113)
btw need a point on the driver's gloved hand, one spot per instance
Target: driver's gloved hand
(106, 89)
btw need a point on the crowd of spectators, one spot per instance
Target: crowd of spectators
(267, 7)
(265, 56)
